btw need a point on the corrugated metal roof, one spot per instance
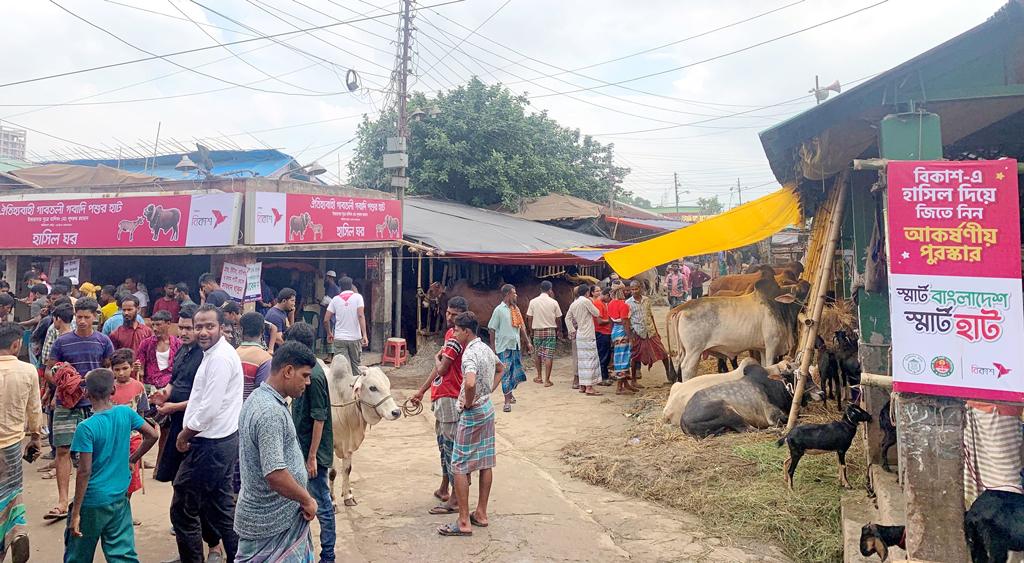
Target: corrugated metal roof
(10, 164)
(260, 162)
(453, 227)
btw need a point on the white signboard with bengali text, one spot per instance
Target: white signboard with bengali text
(233, 280)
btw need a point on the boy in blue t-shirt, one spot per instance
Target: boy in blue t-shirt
(100, 512)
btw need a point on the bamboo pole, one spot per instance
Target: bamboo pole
(819, 288)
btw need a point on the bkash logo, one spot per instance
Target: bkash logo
(212, 222)
(997, 369)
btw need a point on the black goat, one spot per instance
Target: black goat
(888, 434)
(828, 371)
(876, 538)
(820, 438)
(846, 356)
(995, 526)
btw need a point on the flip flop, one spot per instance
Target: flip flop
(56, 513)
(506, 408)
(49, 475)
(475, 522)
(594, 394)
(452, 530)
(439, 497)
(538, 380)
(549, 384)
(442, 509)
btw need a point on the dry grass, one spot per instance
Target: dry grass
(733, 483)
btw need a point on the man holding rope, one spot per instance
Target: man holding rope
(444, 383)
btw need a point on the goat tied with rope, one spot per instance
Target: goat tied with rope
(358, 401)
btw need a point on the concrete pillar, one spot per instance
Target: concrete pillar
(11, 273)
(932, 471)
(383, 301)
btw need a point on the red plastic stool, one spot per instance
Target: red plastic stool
(395, 351)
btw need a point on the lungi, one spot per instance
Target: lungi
(294, 545)
(134, 443)
(446, 419)
(647, 351)
(65, 422)
(474, 440)
(620, 348)
(12, 508)
(588, 363)
(544, 340)
(514, 374)
(992, 451)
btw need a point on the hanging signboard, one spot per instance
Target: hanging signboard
(279, 218)
(233, 279)
(72, 267)
(955, 279)
(155, 221)
(253, 287)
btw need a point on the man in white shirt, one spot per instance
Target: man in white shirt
(349, 334)
(206, 482)
(543, 316)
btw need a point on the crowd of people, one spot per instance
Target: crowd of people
(104, 385)
(239, 409)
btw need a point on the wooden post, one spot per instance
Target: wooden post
(419, 291)
(819, 289)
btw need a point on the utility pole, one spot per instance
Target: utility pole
(611, 184)
(675, 180)
(396, 158)
(739, 191)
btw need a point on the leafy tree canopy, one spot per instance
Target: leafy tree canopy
(709, 205)
(478, 144)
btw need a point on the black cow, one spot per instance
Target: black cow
(750, 396)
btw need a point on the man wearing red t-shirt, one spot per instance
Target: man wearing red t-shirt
(445, 382)
(602, 330)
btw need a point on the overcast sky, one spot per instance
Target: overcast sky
(287, 93)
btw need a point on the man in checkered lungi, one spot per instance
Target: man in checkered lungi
(543, 317)
(474, 434)
(445, 382)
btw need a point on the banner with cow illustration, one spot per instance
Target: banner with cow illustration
(151, 221)
(955, 279)
(279, 218)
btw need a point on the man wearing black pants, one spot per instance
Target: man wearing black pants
(171, 402)
(204, 485)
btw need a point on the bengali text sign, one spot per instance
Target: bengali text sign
(278, 218)
(954, 279)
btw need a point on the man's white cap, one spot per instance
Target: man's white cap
(332, 274)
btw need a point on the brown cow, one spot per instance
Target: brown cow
(741, 284)
(483, 301)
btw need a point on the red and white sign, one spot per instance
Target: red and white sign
(278, 218)
(955, 279)
(157, 221)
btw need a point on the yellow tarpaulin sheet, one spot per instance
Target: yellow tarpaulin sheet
(740, 226)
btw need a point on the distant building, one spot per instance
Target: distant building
(12, 143)
(686, 213)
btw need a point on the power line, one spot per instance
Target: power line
(200, 49)
(679, 41)
(461, 41)
(720, 56)
(179, 65)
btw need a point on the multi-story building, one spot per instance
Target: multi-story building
(12, 143)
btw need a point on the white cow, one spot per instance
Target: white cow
(357, 401)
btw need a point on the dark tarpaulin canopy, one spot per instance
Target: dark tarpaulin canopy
(462, 231)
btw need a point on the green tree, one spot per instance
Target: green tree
(709, 205)
(478, 144)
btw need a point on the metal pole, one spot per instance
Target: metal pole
(739, 191)
(675, 180)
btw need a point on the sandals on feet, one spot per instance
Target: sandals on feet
(442, 509)
(56, 513)
(475, 522)
(452, 530)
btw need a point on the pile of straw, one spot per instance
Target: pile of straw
(733, 483)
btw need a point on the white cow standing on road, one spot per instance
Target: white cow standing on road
(357, 401)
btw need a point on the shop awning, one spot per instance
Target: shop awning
(740, 226)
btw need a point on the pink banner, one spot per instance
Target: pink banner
(955, 279)
(954, 218)
(278, 218)
(121, 222)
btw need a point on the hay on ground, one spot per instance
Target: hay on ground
(733, 483)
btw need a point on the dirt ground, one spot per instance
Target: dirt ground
(538, 512)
